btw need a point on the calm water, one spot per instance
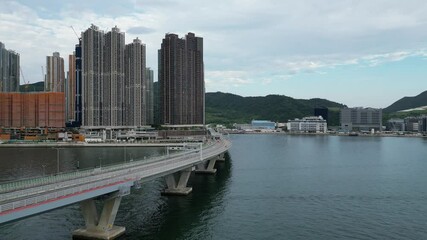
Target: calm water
(277, 187)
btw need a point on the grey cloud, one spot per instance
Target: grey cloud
(140, 30)
(283, 36)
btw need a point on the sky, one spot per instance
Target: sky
(366, 53)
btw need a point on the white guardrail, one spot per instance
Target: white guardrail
(23, 193)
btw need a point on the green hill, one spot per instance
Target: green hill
(228, 108)
(408, 103)
(33, 87)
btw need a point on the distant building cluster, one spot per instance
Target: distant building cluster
(113, 80)
(109, 85)
(408, 124)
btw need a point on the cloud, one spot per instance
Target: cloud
(226, 79)
(140, 30)
(245, 42)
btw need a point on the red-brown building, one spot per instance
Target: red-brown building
(32, 110)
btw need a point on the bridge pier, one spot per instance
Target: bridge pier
(100, 227)
(207, 168)
(221, 158)
(178, 187)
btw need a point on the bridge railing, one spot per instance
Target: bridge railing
(46, 180)
(120, 175)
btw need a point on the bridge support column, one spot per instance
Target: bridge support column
(207, 168)
(100, 227)
(178, 187)
(221, 158)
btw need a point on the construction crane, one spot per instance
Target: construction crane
(44, 79)
(25, 82)
(75, 33)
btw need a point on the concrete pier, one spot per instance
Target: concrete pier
(100, 227)
(178, 187)
(221, 158)
(206, 168)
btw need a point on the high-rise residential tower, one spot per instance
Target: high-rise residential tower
(92, 76)
(55, 75)
(135, 84)
(9, 70)
(181, 79)
(149, 95)
(79, 86)
(71, 88)
(113, 100)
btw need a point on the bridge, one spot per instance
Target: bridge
(109, 184)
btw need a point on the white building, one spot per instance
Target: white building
(308, 125)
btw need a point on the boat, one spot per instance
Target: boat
(353, 134)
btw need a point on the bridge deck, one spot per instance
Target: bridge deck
(28, 197)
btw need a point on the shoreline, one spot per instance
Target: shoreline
(74, 144)
(333, 134)
(165, 144)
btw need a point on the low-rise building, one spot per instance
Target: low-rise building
(32, 110)
(361, 119)
(257, 126)
(412, 124)
(315, 124)
(423, 124)
(396, 125)
(263, 124)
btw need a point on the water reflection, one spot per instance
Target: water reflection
(175, 217)
(27, 162)
(145, 213)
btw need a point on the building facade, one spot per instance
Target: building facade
(9, 70)
(92, 73)
(113, 85)
(135, 84)
(322, 111)
(78, 105)
(361, 119)
(29, 110)
(423, 124)
(413, 124)
(315, 124)
(263, 124)
(181, 80)
(149, 94)
(396, 124)
(55, 75)
(70, 96)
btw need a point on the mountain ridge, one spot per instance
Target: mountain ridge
(230, 108)
(405, 103)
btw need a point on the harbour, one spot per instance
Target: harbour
(288, 187)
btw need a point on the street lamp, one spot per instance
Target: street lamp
(124, 153)
(44, 168)
(57, 159)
